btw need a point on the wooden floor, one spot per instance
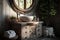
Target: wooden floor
(45, 38)
(48, 39)
(40, 38)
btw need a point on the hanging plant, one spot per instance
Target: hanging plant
(53, 12)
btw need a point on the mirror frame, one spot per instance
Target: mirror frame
(22, 11)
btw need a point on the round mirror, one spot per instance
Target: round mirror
(22, 6)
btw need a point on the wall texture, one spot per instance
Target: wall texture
(7, 9)
(1, 15)
(4, 10)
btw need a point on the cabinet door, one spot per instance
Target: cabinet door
(28, 32)
(39, 30)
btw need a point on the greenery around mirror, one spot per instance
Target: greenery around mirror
(46, 9)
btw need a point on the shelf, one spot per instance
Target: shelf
(34, 22)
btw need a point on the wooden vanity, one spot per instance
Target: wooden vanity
(26, 30)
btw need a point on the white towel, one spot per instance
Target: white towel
(10, 34)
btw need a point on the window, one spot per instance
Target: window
(23, 4)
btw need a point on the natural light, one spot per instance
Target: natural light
(23, 4)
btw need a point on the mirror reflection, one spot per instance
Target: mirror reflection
(23, 4)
